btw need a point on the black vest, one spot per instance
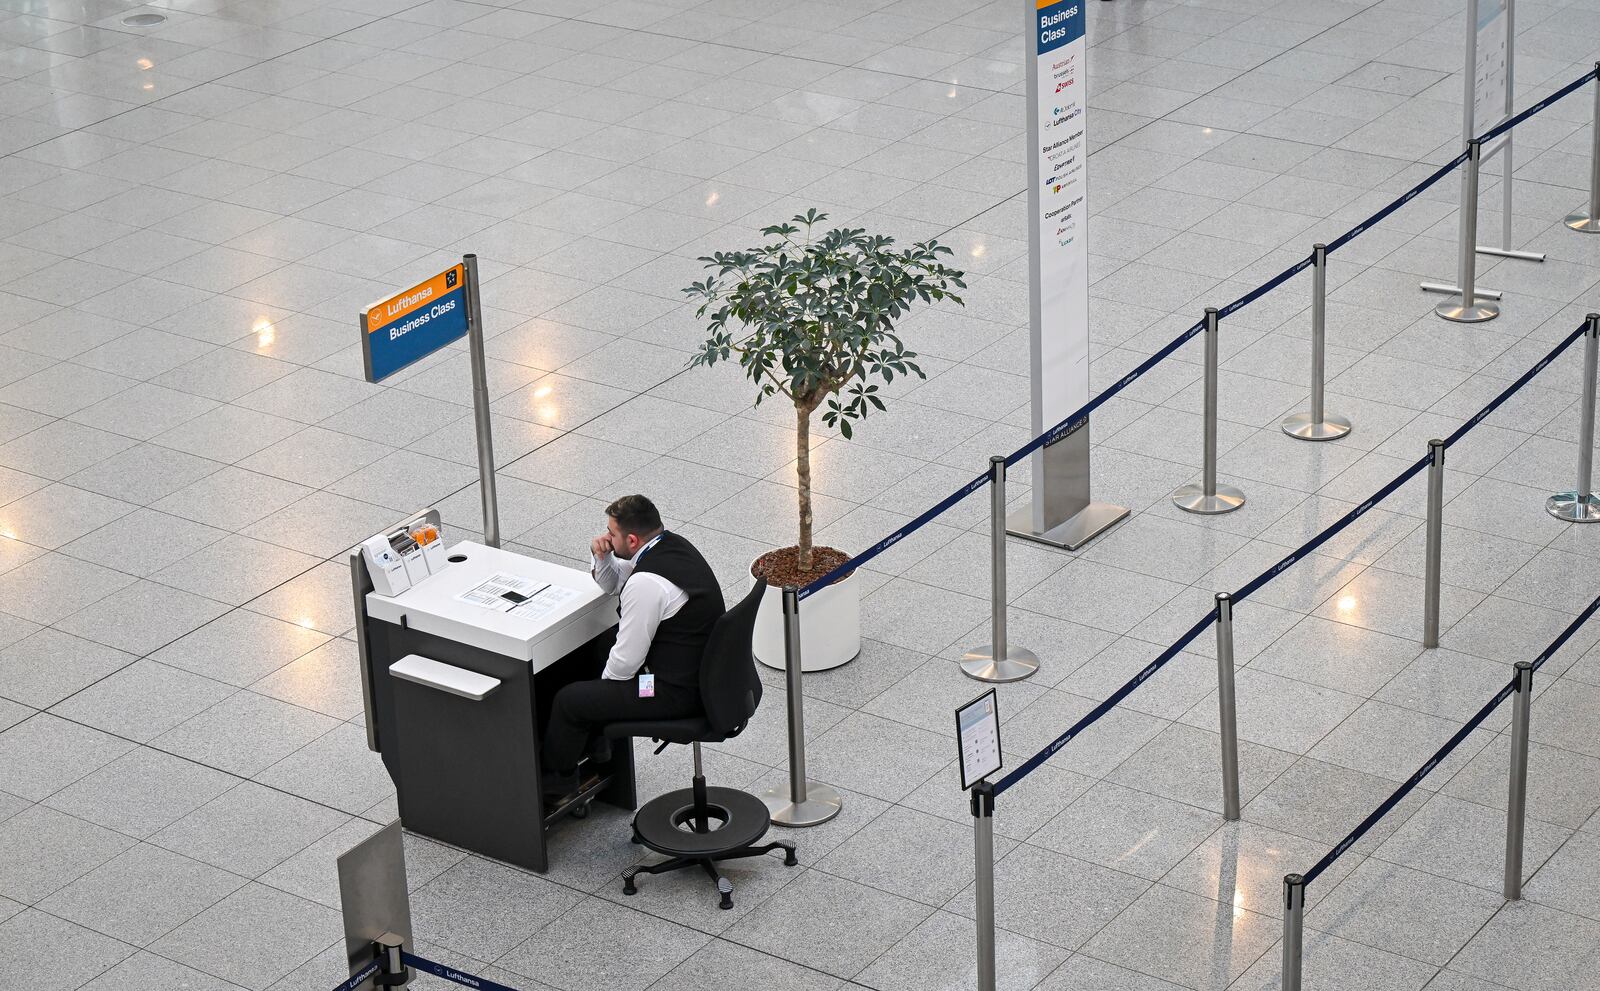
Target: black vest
(674, 656)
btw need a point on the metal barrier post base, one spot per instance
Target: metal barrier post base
(1574, 507)
(1017, 664)
(1583, 223)
(1455, 312)
(820, 804)
(1515, 255)
(1193, 499)
(1080, 528)
(1303, 427)
(1451, 289)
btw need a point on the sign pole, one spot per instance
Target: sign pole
(1062, 513)
(404, 329)
(983, 880)
(480, 405)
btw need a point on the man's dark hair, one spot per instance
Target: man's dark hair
(635, 514)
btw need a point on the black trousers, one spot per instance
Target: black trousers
(583, 707)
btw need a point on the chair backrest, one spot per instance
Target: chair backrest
(729, 685)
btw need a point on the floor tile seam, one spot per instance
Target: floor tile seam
(930, 912)
(1546, 863)
(132, 949)
(154, 104)
(1375, 857)
(239, 779)
(146, 946)
(140, 659)
(1179, 891)
(725, 938)
(836, 66)
(1374, 697)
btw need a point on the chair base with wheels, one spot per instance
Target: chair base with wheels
(701, 826)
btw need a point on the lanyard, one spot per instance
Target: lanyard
(652, 543)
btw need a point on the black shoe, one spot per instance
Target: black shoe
(599, 750)
(557, 785)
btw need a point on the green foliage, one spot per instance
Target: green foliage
(814, 318)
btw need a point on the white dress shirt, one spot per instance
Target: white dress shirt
(647, 600)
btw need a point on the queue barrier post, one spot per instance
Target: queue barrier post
(1588, 221)
(1318, 423)
(1294, 922)
(393, 973)
(1227, 708)
(983, 878)
(1435, 545)
(998, 660)
(1581, 505)
(1468, 309)
(1208, 498)
(803, 803)
(1517, 797)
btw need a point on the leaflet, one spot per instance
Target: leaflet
(526, 598)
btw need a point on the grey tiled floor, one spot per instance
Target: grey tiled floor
(191, 215)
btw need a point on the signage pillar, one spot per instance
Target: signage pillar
(1062, 512)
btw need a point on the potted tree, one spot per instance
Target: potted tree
(812, 318)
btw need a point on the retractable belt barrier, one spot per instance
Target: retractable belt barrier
(1566, 634)
(451, 974)
(1094, 715)
(1256, 583)
(1075, 421)
(1557, 96)
(360, 977)
(1520, 688)
(1450, 744)
(1411, 782)
(1516, 386)
(1404, 198)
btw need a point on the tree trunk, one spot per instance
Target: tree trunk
(802, 442)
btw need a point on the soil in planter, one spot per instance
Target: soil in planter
(781, 569)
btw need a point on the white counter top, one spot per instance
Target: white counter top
(433, 606)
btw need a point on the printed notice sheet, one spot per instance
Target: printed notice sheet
(978, 726)
(527, 598)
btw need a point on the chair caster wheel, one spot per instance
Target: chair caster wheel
(635, 840)
(725, 888)
(727, 902)
(629, 889)
(580, 811)
(789, 859)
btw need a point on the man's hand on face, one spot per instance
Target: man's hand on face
(601, 545)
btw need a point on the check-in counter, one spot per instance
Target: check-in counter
(458, 673)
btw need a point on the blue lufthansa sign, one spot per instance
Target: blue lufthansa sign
(1060, 22)
(406, 328)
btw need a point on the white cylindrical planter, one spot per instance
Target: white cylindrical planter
(830, 627)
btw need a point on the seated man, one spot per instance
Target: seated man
(668, 601)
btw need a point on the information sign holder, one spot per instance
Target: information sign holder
(375, 902)
(978, 733)
(405, 328)
(1488, 99)
(1062, 513)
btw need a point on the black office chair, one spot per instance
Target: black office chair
(701, 825)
